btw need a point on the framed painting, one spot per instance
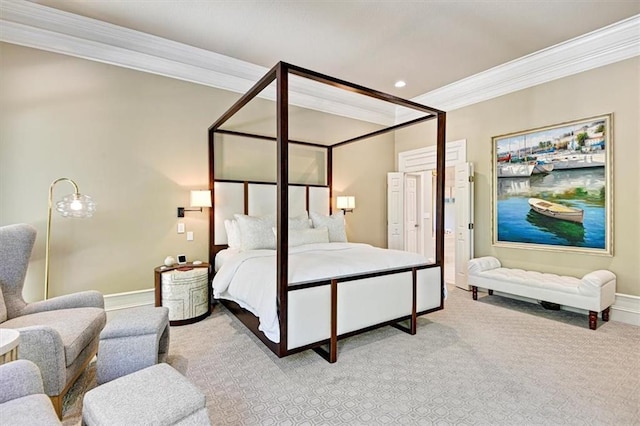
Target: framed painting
(552, 187)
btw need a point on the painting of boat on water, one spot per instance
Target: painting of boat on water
(552, 187)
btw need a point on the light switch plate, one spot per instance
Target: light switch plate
(190, 236)
(180, 227)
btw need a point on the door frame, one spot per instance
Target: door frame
(423, 160)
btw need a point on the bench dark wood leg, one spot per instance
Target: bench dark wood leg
(490, 292)
(474, 292)
(605, 314)
(593, 320)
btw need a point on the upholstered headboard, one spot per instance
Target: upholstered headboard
(259, 199)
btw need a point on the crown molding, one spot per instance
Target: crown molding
(601, 47)
(33, 25)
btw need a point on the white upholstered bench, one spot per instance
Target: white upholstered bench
(595, 292)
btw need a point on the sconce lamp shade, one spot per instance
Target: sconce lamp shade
(347, 203)
(200, 198)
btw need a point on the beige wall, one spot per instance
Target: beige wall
(611, 89)
(137, 143)
(360, 169)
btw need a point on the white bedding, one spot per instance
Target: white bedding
(222, 256)
(249, 277)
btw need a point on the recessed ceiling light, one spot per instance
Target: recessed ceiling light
(400, 83)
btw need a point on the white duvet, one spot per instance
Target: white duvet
(249, 277)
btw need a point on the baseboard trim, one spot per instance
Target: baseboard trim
(130, 299)
(626, 307)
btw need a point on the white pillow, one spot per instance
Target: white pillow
(233, 234)
(334, 223)
(298, 237)
(255, 232)
(300, 222)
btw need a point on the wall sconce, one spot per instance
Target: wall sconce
(73, 205)
(199, 199)
(346, 203)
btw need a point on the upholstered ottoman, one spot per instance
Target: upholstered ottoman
(156, 395)
(132, 340)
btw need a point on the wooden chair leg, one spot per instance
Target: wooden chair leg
(593, 320)
(57, 404)
(474, 292)
(605, 314)
(57, 400)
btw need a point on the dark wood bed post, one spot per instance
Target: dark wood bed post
(440, 170)
(329, 171)
(212, 177)
(282, 254)
(245, 201)
(414, 302)
(333, 340)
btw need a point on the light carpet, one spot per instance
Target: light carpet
(493, 361)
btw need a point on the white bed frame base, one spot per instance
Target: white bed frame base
(361, 303)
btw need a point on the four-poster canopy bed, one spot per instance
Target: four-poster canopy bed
(313, 304)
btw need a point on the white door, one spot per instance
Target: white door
(395, 211)
(464, 221)
(412, 221)
(428, 227)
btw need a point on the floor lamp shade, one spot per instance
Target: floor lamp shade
(72, 205)
(76, 205)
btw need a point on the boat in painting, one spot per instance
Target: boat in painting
(576, 161)
(556, 211)
(542, 167)
(515, 169)
(504, 158)
(571, 232)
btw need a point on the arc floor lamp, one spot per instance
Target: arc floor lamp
(72, 205)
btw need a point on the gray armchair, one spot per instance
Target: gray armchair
(22, 397)
(60, 335)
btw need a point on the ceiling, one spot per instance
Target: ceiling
(429, 44)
